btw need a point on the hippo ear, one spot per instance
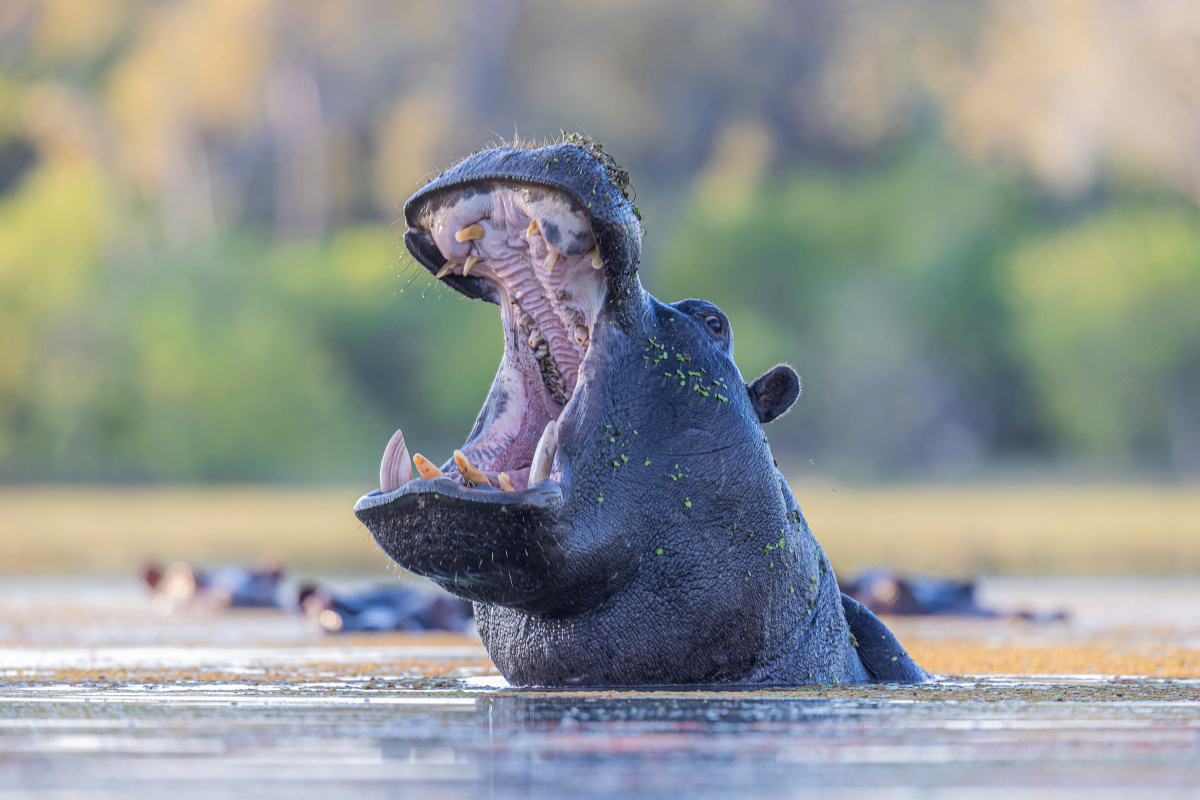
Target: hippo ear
(773, 392)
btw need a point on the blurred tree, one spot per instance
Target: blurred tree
(1109, 313)
(880, 289)
(199, 263)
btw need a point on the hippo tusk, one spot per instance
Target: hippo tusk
(395, 470)
(543, 456)
(426, 467)
(468, 233)
(469, 471)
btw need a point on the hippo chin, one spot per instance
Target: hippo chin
(615, 514)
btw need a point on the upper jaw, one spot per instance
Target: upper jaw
(550, 237)
(577, 169)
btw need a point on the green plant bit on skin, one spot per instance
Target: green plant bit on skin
(659, 551)
(687, 503)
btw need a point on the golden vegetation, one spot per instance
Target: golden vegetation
(963, 531)
(1016, 530)
(113, 531)
(1114, 658)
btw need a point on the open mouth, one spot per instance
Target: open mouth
(531, 250)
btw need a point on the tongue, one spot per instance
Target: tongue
(396, 469)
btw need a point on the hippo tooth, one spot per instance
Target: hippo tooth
(551, 260)
(581, 335)
(543, 456)
(505, 482)
(468, 233)
(395, 470)
(468, 470)
(594, 255)
(532, 229)
(426, 467)
(446, 270)
(471, 262)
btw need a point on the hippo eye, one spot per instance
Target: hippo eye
(714, 324)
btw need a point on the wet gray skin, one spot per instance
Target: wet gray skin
(658, 543)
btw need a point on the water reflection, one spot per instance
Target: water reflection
(701, 713)
(455, 738)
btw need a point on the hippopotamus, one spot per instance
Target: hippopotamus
(884, 591)
(384, 608)
(615, 514)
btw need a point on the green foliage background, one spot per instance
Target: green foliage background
(201, 276)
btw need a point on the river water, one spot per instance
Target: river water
(102, 697)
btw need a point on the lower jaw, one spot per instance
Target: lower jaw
(495, 458)
(546, 493)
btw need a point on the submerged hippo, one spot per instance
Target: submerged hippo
(615, 514)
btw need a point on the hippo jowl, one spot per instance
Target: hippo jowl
(615, 513)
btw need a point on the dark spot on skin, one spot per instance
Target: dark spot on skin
(580, 245)
(552, 234)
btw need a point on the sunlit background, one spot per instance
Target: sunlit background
(972, 227)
